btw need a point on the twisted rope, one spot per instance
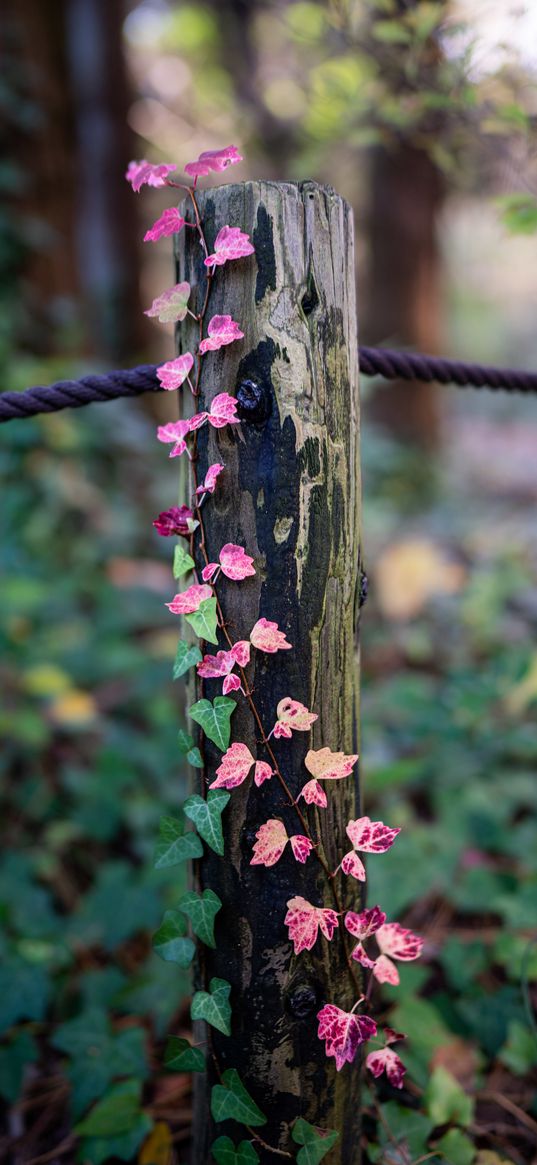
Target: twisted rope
(392, 365)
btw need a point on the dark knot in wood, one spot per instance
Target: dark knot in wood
(302, 1001)
(253, 402)
(364, 589)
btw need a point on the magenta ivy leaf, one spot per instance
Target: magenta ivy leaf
(216, 160)
(363, 925)
(232, 683)
(304, 921)
(209, 484)
(343, 1032)
(292, 717)
(241, 652)
(174, 521)
(230, 243)
(170, 222)
(386, 1060)
(213, 667)
(223, 411)
(235, 563)
(271, 842)
(234, 767)
(266, 636)
(301, 847)
(144, 173)
(314, 794)
(171, 306)
(174, 372)
(370, 837)
(189, 600)
(401, 944)
(262, 772)
(221, 330)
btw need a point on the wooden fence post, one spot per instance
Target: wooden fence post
(290, 495)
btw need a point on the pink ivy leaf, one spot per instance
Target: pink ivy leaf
(234, 767)
(262, 771)
(241, 652)
(230, 243)
(292, 717)
(400, 943)
(270, 844)
(385, 1060)
(266, 636)
(174, 521)
(171, 306)
(385, 971)
(271, 841)
(212, 667)
(360, 955)
(170, 222)
(304, 920)
(371, 837)
(329, 766)
(343, 1032)
(235, 563)
(209, 571)
(301, 847)
(314, 794)
(174, 432)
(221, 330)
(363, 925)
(144, 173)
(173, 373)
(209, 484)
(189, 601)
(223, 411)
(216, 160)
(352, 865)
(392, 1037)
(232, 683)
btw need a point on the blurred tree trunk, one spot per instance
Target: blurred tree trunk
(274, 138)
(403, 302)
(81, 278)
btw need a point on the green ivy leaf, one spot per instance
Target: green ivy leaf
(214, 717)
(456, 1148)
(180, 1056)
(446, 1101)
(97, 1055)
(213, 1005)
(14, 1057)
(169, 940)
(97, 1150)
(230, 1100)
(316, 1142)
(201, 909)
(207, 816)
(182, 562)
(518, 213)
(186, 656)
(225, 1153)
(204, 621)
(520, 1051)
(193, 757)
(185, 741)
(175, 846)
(117, 1112)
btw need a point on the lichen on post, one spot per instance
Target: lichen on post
(290, 495)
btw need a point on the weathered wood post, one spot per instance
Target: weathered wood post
(291, 496)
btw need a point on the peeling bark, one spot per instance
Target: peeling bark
(290, 494)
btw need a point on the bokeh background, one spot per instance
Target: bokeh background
(423, 114)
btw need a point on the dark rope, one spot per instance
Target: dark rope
(391, 365)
